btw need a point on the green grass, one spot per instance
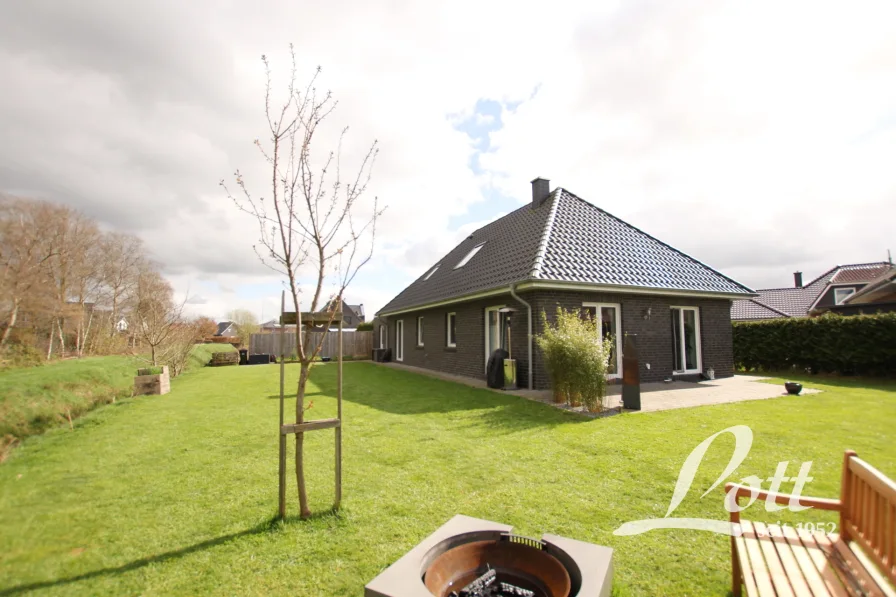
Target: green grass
(174, 495)
(35, 399)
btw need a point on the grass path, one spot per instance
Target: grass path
(175, 494)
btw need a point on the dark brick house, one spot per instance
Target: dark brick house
(850, 289)
(562, 250)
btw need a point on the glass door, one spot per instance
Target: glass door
(686, 340)
(609, 322)
(494, 328)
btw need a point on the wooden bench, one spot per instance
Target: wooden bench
(859, 561)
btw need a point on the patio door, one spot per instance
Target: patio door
(399, 340)
(495, 325)
(608, 317)
(686, 340)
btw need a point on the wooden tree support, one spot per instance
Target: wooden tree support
(310, 319)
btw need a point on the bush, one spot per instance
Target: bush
(853, 345)
(576, 359)
(365, 326)
(20, 355)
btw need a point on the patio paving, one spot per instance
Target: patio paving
(654, 396)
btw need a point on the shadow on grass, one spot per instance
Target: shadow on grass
(406, 393)
(267, 526)
(287, 395)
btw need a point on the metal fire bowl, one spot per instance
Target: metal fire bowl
(517, 562)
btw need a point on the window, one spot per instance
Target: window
(451, 326)
(686, 340)
(841, 294)
(608, 327)
(399, 340)
(431, 272)
(382, 336)
(419, 331)
(468, 256)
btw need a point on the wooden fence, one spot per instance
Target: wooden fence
(354, 344)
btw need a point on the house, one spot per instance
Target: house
(352, 315)
(561, 250)
(227, 328)
(835, 290)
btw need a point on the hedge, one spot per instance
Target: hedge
(852, 345)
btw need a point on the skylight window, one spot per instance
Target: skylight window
(431, 272)
(468, 256)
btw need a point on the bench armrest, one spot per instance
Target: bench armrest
(736, 491)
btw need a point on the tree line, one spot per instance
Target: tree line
(69, 288)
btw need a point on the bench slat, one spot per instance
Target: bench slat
(825, 568)
(788, 561)
(757, 562)
(804, 561)
(860, 574)
(772, 559)
(745, 567)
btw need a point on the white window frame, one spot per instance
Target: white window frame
(448, 341)
(431, 272)
(682, 347)
(420, 332)
(488, 349)
(618, 308)
(399, 340)
(382, 336)
(469, 256)
(851, 292)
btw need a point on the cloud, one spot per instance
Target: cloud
(757, 137)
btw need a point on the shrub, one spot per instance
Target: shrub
(576, 359)
(20, 355)
(365, 326)
(857, 344)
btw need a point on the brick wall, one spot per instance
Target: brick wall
(654, 335)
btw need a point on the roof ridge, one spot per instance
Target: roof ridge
(679, 251)
(535, 272)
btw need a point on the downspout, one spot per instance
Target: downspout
(529, 365)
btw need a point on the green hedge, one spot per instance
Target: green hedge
(853, 345)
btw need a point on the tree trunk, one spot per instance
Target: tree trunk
(14, 314)
(61, 338)
(304, 512)
(50, 343)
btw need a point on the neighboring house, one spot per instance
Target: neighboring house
(352, 315)
(226, 328)
(122, 325)
(273, 325)
(562, 250)
(840, 289)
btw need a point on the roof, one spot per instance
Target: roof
(564, 239)
(796, 302)
(222, 327)
(358, 309)
(883, 284)
(747, 309)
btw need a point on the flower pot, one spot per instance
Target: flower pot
(793, 387)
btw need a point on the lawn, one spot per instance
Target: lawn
(175, 494)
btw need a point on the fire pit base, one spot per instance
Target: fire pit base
(590, 566)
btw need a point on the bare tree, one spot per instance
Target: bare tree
(246, 324)
(123, 256)
(157, 315)
(24, 251)
(313, 225)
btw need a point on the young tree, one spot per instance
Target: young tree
(245, 322)
(157, 316)
(313, 225)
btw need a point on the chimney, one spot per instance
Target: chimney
(541, 188)
(798, 279)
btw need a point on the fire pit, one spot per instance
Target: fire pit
(469, 557)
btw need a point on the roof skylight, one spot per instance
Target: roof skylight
(431, 272)
(468, 256)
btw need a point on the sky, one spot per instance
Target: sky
(758, 137)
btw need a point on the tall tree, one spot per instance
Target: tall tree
(24, 251)
(313, 225)
(123, 256)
